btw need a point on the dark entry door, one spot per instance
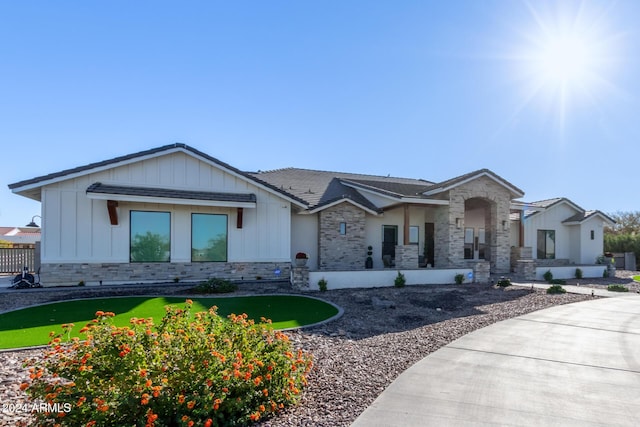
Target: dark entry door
(429, 242)
(389, 240)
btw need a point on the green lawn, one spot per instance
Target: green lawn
(31, 326)
(636, 278)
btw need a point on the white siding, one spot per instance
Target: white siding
(591, 249)
(77, 229)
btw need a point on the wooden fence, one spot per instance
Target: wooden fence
(12, 260)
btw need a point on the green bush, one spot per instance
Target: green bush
(188, 370)
(556, 289)
(504, 282)
(399, 281)
(322, 285)
(617, 288)
(459, 278)
(558, 282)
(548, 276)
(578, 273)
(216, 286)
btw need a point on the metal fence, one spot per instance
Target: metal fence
(12, 260)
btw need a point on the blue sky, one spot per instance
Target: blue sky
(421, 89)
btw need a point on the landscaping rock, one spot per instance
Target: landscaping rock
(382, 303)
(357, 356)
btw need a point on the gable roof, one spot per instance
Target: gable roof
(463, 179)
(319, 188)
(30, 187)
(581, 217)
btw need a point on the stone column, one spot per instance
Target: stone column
(300, 278)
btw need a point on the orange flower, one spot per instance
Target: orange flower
(143, 372)
(208, 423)
(148, 383)
(191, 404)
(265, 392)
(24, 386)
(99, 313)
(181, 398)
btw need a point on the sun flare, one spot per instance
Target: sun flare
(565, 58)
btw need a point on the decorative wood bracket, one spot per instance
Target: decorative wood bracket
(239, 218)
(113, 213)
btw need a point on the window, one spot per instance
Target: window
(546, 244)
(482, 240)
(593, 235)
(208, 238)
(414, 232)
(468, 243)
(150, 238)
(343, 228)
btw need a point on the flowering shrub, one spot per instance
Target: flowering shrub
(188, 370)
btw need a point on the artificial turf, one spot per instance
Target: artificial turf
(31, 326)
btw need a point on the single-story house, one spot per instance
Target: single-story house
(174, 212)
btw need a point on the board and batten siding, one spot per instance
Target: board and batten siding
(551, 219)
(77, 229)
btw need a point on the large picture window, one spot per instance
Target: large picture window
(546, 244)
(150, 239)
(208, 237)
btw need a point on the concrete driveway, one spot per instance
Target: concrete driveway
(576, 364)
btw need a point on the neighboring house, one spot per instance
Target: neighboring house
(20, 237)
(175, 212)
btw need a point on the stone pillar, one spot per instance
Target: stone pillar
(300, 278)
(406, 257)
(481, 271)
(526, 269)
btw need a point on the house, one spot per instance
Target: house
(20, 237)
(176, 212)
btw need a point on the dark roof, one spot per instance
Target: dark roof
(391, 188)
(583, 216)
(100, 188)
(319, 188)
(145, 153)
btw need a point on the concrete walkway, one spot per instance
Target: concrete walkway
(575, 364)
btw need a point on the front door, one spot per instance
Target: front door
(389, 240)
(429, 242)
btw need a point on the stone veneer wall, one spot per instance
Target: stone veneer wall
(72, 273)
(497, 220)
(342, 251)
(406, 256)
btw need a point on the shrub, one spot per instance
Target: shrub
(81, 283)
(556, 289)
(578, 273)
(459, 278)
(399, 281)
(216, 286)
(617, 288)
(322, 285)
(558, 282)
(504, 282)
(176, 279)
(636, 278)
(548, 276)
(605, 273)
(188, 370)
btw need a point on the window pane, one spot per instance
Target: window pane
(150, 236)
(414, 232)
(208, 237)
(546, 244)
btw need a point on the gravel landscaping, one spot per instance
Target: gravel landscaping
(383, 332)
